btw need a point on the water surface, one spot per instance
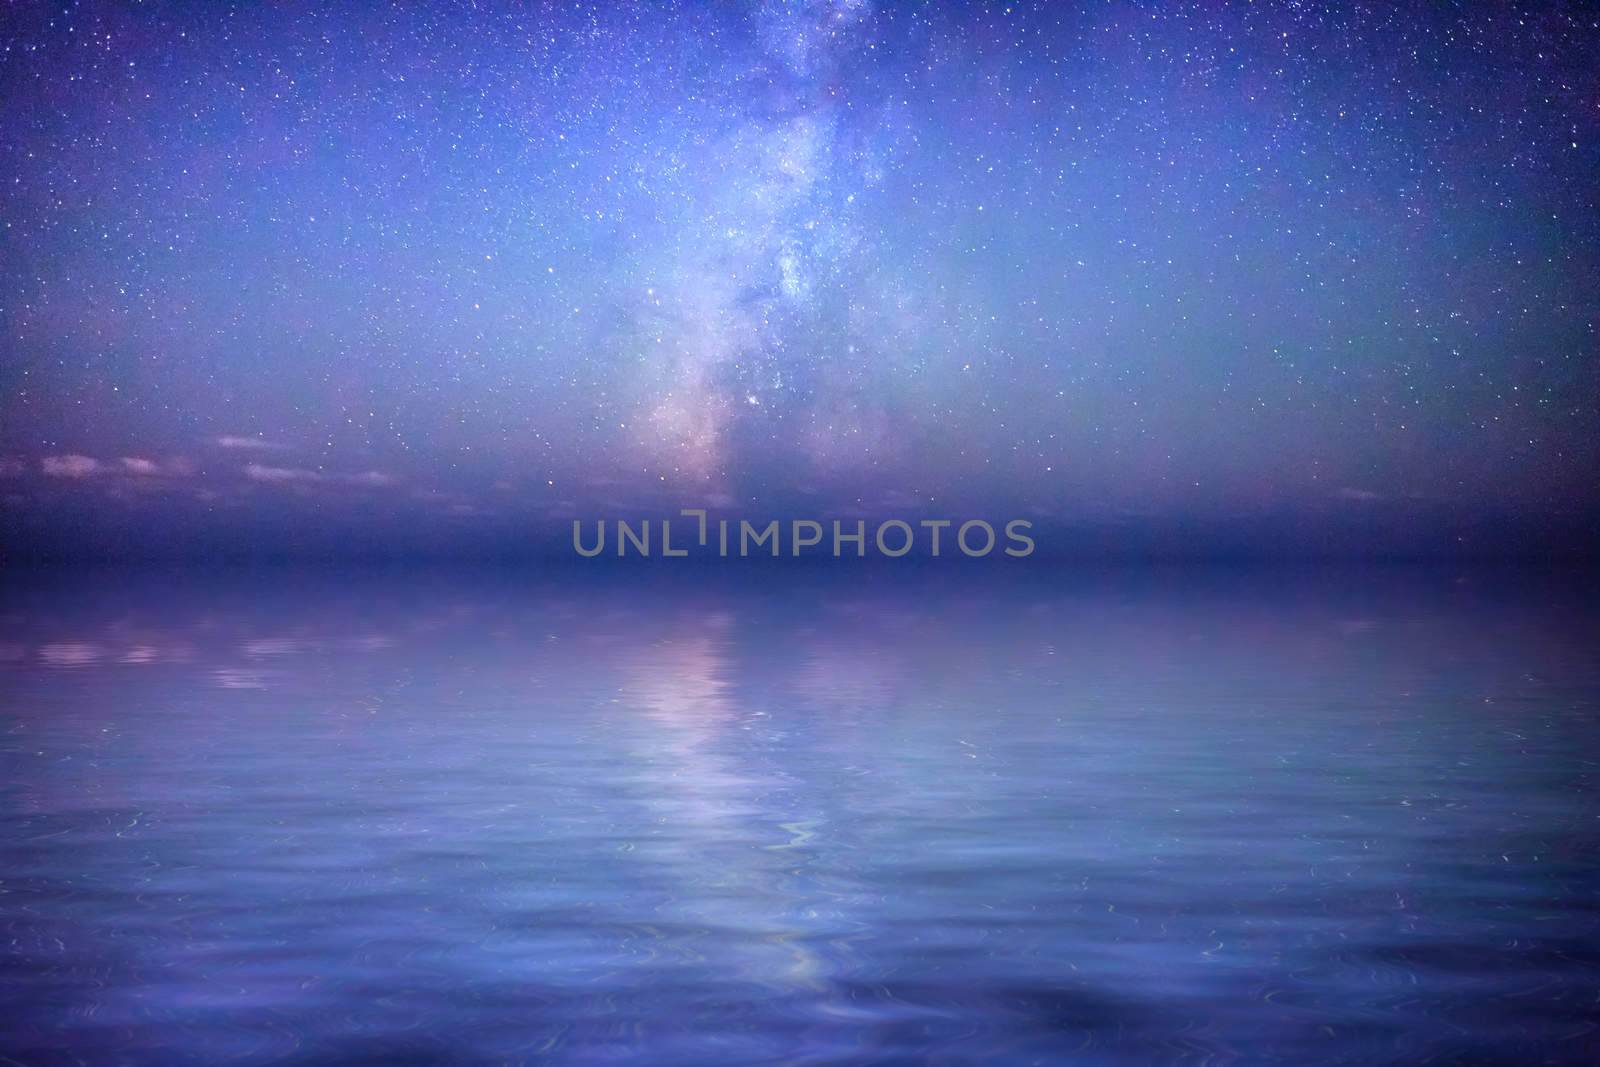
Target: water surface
(1156, 817)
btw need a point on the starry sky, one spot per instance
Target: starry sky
(442, 277)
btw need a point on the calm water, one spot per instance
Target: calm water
(1186, 817)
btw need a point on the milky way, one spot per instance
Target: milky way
(436, 275)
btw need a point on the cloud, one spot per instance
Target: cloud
(70, 466)
(11, 467)
(138, 465)
(1347, 493)
(250, 444)
(172, 467)
(258, 472)
(141, 466)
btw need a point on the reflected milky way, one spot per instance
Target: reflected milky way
(1129, 818)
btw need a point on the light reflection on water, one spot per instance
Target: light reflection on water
(1220, 817)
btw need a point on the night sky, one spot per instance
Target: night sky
(434, 277)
